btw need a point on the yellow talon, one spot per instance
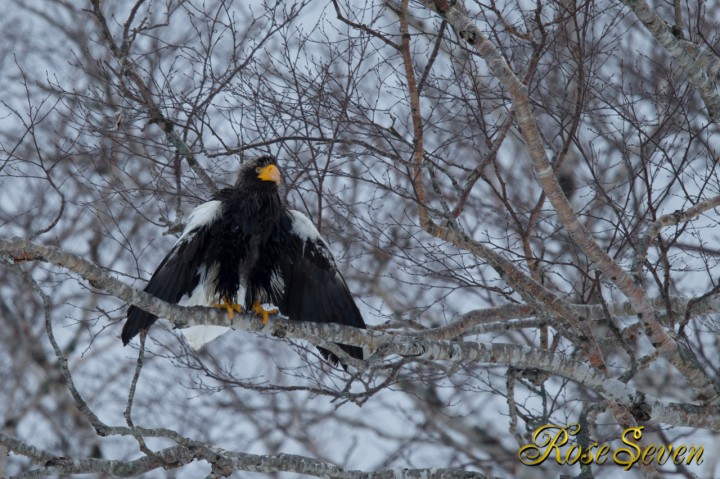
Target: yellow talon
(260, 311)
(229, 307)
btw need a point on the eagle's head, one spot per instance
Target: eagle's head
(261, 173)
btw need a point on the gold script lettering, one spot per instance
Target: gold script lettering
(545, 442)
(548, 439)
(631, 457)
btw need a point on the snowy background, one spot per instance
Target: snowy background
(118, 118)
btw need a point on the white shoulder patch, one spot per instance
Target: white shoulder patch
(203, 215)
(306, 231)
(303, 227)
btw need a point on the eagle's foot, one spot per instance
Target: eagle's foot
(230, 307)
(260, 311)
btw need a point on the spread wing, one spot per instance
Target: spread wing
(179, 273)
(305, 282)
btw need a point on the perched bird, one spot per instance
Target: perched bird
(245, 248)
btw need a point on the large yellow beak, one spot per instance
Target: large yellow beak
(269, 173)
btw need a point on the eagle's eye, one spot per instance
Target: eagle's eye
(257, 169)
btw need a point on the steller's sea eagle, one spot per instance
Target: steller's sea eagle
(243, 248)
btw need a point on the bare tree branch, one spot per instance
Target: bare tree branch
(383, 343)
(680, 357)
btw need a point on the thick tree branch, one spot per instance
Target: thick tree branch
(532, 291)
(680, 356)
(222, 461)
(700, 65)
(384, 344)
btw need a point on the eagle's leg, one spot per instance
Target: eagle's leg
(229, 306)
(260, 311)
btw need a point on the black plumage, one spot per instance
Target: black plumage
(312, 288)
(245, 247)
